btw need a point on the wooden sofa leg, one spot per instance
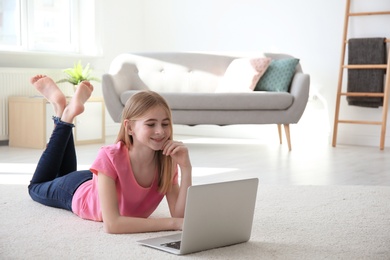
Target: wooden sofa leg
(280, 133)
(287, 131)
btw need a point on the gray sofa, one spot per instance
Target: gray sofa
(188, 82)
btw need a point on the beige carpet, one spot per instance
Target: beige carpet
(291, 222)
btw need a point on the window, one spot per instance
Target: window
(46, 25)
(9, 23)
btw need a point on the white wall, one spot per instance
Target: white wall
(310, 30)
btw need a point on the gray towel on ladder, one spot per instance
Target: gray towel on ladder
(366, 51)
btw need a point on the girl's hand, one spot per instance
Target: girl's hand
(176, 196)
(178, 151)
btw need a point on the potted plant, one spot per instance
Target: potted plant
(78, 74)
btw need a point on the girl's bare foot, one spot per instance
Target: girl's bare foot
(48, 88)
(76, 105)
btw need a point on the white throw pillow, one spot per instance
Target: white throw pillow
(243, 74)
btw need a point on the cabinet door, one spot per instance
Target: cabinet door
(26, 122)
(89, 125)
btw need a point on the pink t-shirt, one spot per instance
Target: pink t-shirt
(133, 200)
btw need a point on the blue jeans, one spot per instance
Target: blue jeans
(56, 177)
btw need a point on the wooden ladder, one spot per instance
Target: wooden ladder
(340, 93)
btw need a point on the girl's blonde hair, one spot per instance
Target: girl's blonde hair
(138, 105)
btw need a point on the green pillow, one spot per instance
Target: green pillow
(278, 75)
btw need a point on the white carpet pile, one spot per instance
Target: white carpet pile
(291, 222)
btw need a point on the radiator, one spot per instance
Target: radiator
(16, 82)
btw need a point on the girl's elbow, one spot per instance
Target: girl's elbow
(110, 227)
(118, 226)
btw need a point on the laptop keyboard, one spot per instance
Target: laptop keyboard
(175, 245)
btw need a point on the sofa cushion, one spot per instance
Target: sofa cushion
(223, 101)
(243, 74)
(278, 75)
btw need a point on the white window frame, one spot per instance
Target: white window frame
(78, 27)
(70, 46)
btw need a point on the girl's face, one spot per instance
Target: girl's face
(152, 130)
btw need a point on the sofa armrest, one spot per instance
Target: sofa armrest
(299, 88)
(111, 98)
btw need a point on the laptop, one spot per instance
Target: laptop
(216, 215)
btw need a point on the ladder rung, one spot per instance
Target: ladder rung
(362, 94)
(366, 66)
(360, 122)
(368, 13)
(386, 40)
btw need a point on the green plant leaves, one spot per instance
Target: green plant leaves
(78, 74)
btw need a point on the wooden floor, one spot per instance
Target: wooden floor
(222, 159)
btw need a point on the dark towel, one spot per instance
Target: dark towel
(366, 51)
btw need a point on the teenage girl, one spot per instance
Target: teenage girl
(128, 179)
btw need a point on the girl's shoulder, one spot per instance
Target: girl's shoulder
(109, 158)
(114, 149)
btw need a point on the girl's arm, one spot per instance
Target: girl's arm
(114, 223)
(177, 196)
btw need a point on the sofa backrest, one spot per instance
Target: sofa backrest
(172, 71)
(168, 71)
(277, 56)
